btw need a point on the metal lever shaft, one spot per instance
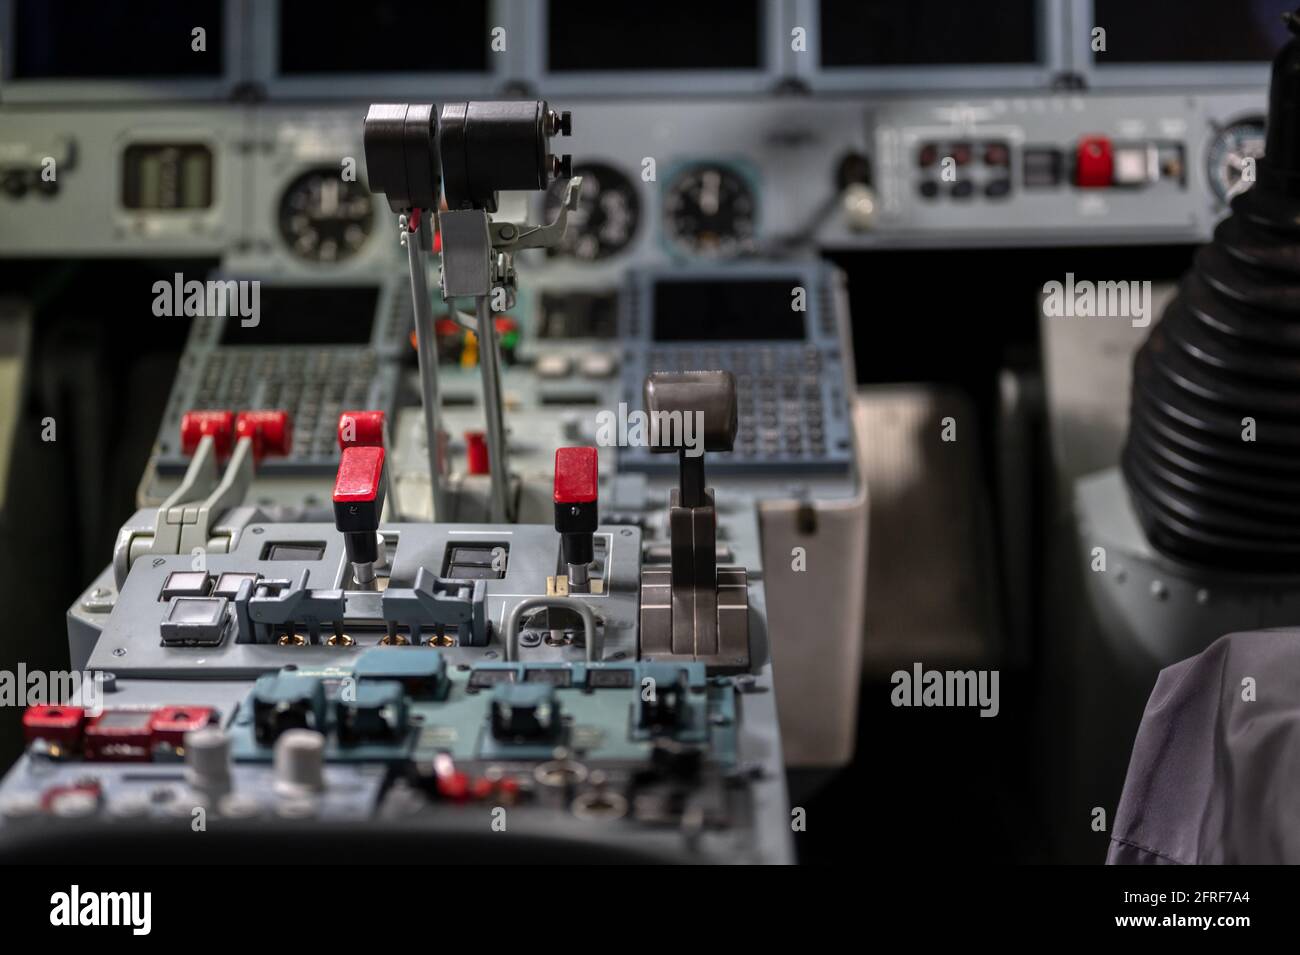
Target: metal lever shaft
(426, 347)
(498, 463)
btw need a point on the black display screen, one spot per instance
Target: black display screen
(598, 36)
(1241, 31)
(728, 310)
(91, 39)
(325, 37)
(861, 33)
(308, 315)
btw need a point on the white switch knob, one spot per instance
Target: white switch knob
(207, 760)
(859, 203)
(299, 759)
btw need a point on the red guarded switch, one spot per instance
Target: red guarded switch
(364, 429)
(55, 724)
(360, 475)
(576, 475)
(576, 480)
(358, 502)
(1094, 164)
(170, 723)
(219, 424)
(270, 431)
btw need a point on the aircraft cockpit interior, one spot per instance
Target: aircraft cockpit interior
(743, 432)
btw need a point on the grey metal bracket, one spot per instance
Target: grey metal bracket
(669, 629)
(466, 254)
(436, 603)
(186, 520)
(511, 237)
(267, 605)
(695, 610)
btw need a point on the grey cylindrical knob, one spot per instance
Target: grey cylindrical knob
(299, 759)
(207, 759)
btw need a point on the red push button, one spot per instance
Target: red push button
(219, 424)
(361, 470)
(361, 429)
(576, 475)
(270, 431)
(1094, 164)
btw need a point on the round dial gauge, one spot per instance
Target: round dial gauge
(1234, 149)
(324, 218)
(709, 210)
(607, 214)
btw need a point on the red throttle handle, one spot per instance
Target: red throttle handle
(577, 476)
(363, 429)
(195, 425)
(271, 432)
(358, 501)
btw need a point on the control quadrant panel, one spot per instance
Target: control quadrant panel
(434, 674)
(422, 674)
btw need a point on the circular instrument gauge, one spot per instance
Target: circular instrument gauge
(710, 211)
(325, 218)
(1228, 154)
(607, 214)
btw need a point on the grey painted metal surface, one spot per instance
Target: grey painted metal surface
(1158, 611)
(787, 147)
(741, 792)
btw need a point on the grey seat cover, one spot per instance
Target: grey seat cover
(1215, 776)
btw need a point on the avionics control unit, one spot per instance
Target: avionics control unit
(774, 327)
(313, 350)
